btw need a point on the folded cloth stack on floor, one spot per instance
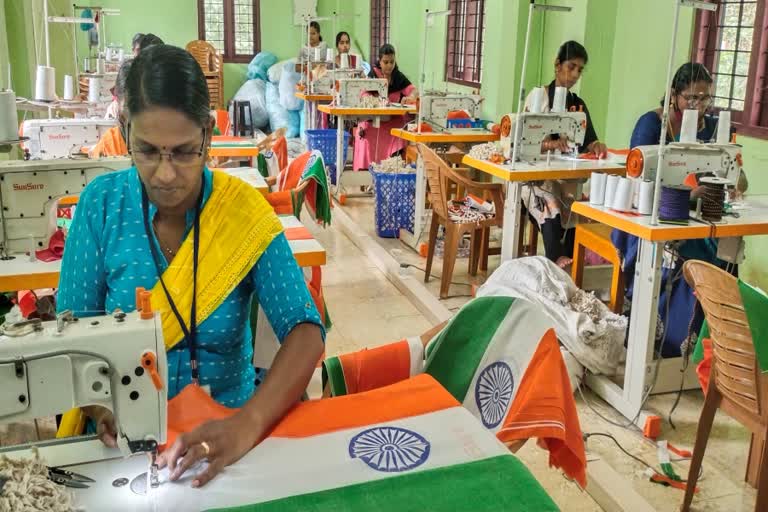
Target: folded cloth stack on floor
(591, 332)
(500, 358)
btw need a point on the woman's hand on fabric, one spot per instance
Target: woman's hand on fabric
(227, 441)
(560, 144)
(105, 424)
(599, 149)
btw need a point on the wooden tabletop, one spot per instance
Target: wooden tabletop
(314, 97)
(558, 169)
(22, 274)
(446, 137)
(751, 221)
(355, 111)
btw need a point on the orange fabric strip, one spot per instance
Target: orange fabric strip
(374, 368)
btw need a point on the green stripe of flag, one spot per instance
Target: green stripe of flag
(455, 363)
(333, 373)
(494, 484)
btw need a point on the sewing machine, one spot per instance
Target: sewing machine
(435, 107)
(60, 138)
(29, 191)
(324, 83)
(114, 361)
(722, 160)
(349, 91)
(536, 128)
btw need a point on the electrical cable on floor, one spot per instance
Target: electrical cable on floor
(406, 265)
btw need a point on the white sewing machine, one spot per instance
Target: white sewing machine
(29, 190)
(324, 83)
(60, 138)
(114, 361)
(682, 159)
(349, 91)
(435, 107)
(537, 127)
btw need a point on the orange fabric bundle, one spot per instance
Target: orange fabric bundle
(110, 144)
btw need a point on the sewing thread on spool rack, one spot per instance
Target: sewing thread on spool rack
(674, 204)
(713, 198)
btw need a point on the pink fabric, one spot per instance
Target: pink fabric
(55, 249)
(378, 144)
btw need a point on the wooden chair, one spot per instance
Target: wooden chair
(736, 384)
(212, 64)
(439, 179)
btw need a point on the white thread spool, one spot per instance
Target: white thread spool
(121, 55)
(94, 89)
(690, 126)
(99, 66)
(318, 54)
(344, 61)
(611, 183)
(558, 105)
(45, 84)
(9, 119)
(645, 202)
(724, 127)
(109, 54)
(69, 87)
(329, 55)
(538, 97)
(597, 182)
(622, 200)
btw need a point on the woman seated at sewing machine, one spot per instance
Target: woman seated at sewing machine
(377, 144)
(343, 47)
(549, 202)
(691, 88)
(206, 245)
(307, 53)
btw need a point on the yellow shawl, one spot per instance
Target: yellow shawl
(236, 226)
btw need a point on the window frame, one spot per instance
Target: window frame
(382, 9)
(753, 120)
(229, 54)
(453, 24)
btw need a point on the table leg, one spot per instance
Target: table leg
(512, 225)
(313, 115)
(412, 239)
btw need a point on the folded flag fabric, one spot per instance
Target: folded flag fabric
(755, 305)
(405, 447)
(318, 194)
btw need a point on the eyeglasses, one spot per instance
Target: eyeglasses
(697, 99)
(151, 157)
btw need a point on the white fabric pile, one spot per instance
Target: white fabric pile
(584, 325)
(483, 151)
(394, 165)
(27, 488)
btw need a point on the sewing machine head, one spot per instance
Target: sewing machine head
(114, 361)
(682, 159)
(537, 127)
(60, 138)
(349, 91)
(436, 107)
(30, 190)
(323, 84)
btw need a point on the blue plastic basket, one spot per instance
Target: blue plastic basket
(395, 196)
(325, 142)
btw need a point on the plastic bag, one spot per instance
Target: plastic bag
(276, 70)
(253, 91)
(278, 115)
(294, 124)
(288, 80)
(260, 64)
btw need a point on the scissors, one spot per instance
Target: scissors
(69, 478)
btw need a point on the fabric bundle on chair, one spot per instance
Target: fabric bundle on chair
(318, 193)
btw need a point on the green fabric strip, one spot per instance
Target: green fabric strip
(756, 306)
(333, 373)
(316, 173)
(261, 165)
(698, 350)
(465, 340)
(498, 483)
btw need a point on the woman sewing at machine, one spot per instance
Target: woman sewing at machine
(549, 203)
(377, 144)
(307, 53)
(206, 244)
(344, 46)
(691, 88)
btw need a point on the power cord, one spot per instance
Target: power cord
(407, 265)
(587, 435)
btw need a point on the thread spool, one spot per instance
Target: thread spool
(597, 182)
(690, 126)
(69, 87)
(537, 100)
(329, 55)
(673, 203)
(94, 89)
(611, 183)
(713, 198)
(724, 127)
(99, 66)
(9, 120)
(121, 55)
(108, 55)
(318, 54)
(45, 84)
(558, 105)
(645, 199)
(344, 61)
(622, 200)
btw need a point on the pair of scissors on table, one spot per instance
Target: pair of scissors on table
(69, 478)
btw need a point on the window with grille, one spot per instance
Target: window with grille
(464, 46)
(231, 26)
(733, 43)
(379, 26)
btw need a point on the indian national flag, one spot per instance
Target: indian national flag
(406, 447)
